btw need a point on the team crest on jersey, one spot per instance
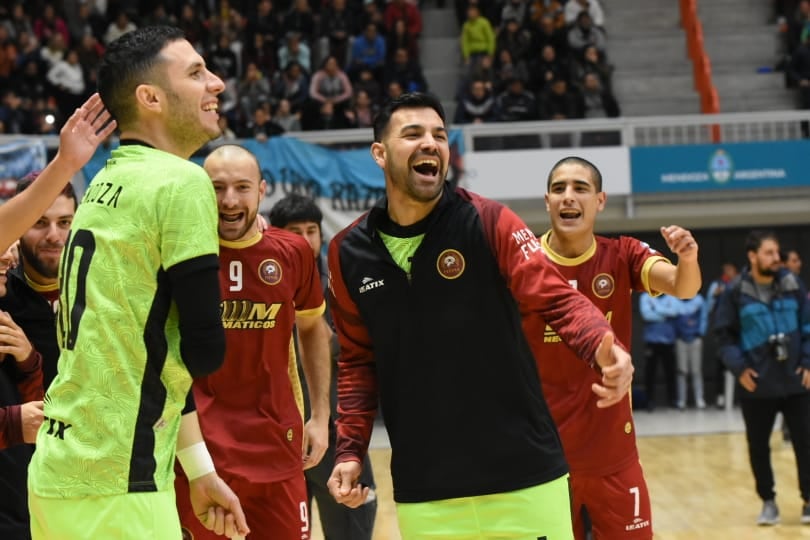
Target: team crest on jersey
(270, 272)
(603, 285)
(450, 264)
(628, 427)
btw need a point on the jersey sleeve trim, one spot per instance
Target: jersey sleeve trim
(313, 312)
(645, 273)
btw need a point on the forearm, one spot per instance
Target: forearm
(315, 360)
(687, 280)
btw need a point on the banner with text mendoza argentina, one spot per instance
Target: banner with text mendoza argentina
(704, 167)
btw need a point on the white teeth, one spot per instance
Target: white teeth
(426, 162)
(211, 107)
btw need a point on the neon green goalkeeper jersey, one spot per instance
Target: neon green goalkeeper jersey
(113, 410)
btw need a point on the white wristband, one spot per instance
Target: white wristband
(195, 460)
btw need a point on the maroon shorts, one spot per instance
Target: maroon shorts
(618, 505)
(276, 510)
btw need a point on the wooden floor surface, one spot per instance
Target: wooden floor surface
(701, 488)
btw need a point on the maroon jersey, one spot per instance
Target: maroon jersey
(250, 409)
(596, 441)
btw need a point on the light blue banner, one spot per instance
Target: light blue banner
(349, 178)
(18, 158)
(663, 169)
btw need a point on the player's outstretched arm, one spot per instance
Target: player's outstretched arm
(214, 503)
(682, 280)
(89, 125)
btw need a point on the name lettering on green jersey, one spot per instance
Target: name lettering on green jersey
(56, 427)
(103, 193)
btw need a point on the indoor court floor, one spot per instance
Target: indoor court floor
(696, 465)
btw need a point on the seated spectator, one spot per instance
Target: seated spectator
(799, 73)
(295, 50)
(393, 90)
(19, 22)
(331, 84)
(86, 20)
(262, 54)
(49, 24)
(31, 85)
(591, 62)
(286, 118)
(368, 51)
(476, 104)
(323, 116)
(361, 112)
(90, 52)
(545, 68)
(406, 71)
(402, 10)
(339, 25)
(515, 104)
(484, 71)
(8, 56)
(592, 7)
(291, 84)
(545, 33)
(67, 78)
(367, 83)
(261, 126)
(266, 23)
(253, 89)
(583, 34)
(400, 38)
(513, 10)
(300, 19)
(477, 37)
(551, 8)
(598, 101)
(191, 23)
(225, 128)
(558, 102)
(514, 39)
(14, 117)
(223, 58)
(372, 14)
(507, 69)
(53, 51)
(28, 49)
(120, 26)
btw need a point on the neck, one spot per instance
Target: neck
(35, 279)
(405, 211)
(760, 279)
(157, 138)
(570, 246)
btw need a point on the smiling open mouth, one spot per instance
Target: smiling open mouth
(427, 167)
(231, 218)
(570, 214)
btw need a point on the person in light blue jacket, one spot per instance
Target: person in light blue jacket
(690, 327)
(659, 313)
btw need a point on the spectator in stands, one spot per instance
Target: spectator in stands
(583, 33)
(8, 56)
(49, 23)
(323, 116)
(300, 19)
(31, 85)
(476, 104)
(573, 8)
(545, 68)
(19, 22)
(291, 84)
(515, 104)
(541, 8)
(158, 16)
(90, 52)
(368, 51)
(14, 117)
(400, 9)
(406, 71)
(295, 50)
(393, 90)
(799, 73)
(515, 39)
(120, 26)
(798, 23)
(484, 71)
(365, 82)
(513, 10)
(191, 23)
(330, 84)
(557, 102)
(68, 80)
(265, 23)
(477, 37)
(286, 118)
(544, 32)
(84, 21)
(598, 101)
(591, 61)
(53, 51)
(372, 14)
(262, 127)
(362, 111)
(224, 126)
(400, 38)
(253, 89)
(508, 68)
(262, 53)
(223, 59)
(338, 27)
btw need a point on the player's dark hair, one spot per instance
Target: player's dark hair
(295, 208)
(129, 61)
(576, 160)
(413, 100)
(28, 179)
(755, 238)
